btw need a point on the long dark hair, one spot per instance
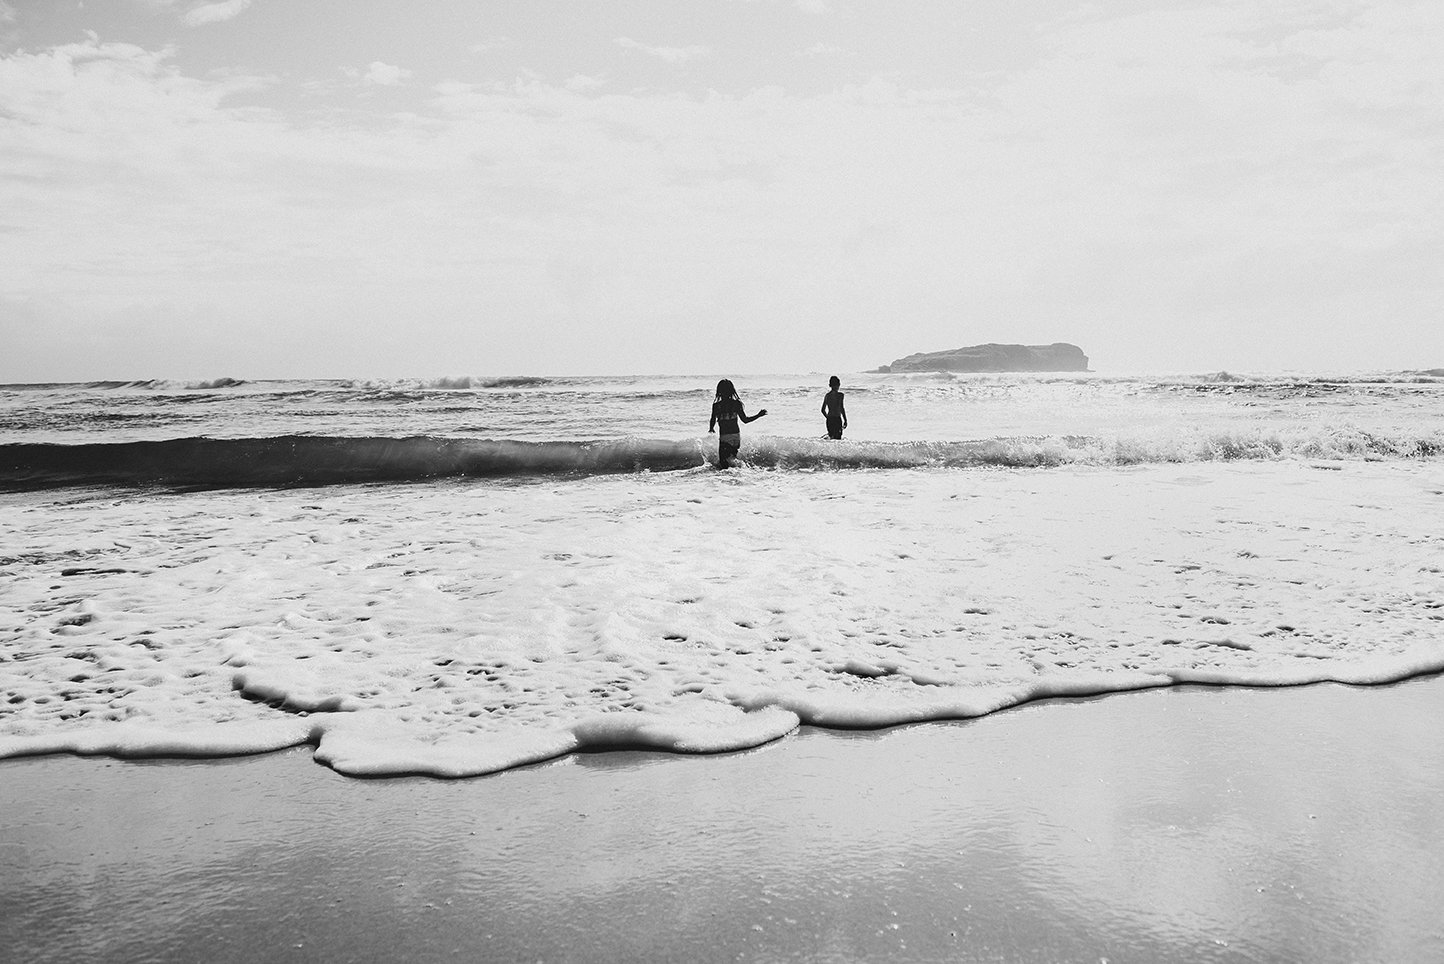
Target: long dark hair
(725, 391)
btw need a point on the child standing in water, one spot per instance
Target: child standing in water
(832, 409)
(726, 410)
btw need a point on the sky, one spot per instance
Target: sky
(379, 188)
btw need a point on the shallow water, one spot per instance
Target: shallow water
(481, 586)
(1189, 824)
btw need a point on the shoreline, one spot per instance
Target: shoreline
(457, 630)
(1184, 823)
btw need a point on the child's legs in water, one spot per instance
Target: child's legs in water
(727, 448)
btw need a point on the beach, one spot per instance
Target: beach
(1140, 669)
(1186, 824)
(756, 481)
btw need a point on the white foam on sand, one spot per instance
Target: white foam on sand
(460, 628)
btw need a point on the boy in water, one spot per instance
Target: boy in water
(726, 410)
(832, 409)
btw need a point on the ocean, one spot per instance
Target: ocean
(457, 576)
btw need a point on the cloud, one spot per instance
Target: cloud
(201, 11)
(672, 55)
(821, 49)
(581, 82)
(7, 12)
(385, 75)
(214, 12)
(1178, 182)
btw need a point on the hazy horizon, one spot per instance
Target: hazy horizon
(255, 189)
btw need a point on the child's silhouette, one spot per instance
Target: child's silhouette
(726, 410)
(832, 409)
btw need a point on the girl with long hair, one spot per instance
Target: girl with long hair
(726, 410)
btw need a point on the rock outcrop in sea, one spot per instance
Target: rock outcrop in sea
(1057, 357)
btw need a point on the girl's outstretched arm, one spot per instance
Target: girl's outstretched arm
(752, 418)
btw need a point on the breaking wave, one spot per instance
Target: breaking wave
(320, 460)
(163, 384)
(451, 383)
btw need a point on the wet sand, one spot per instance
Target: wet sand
(1188, 824)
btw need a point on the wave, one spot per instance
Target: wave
(637, 387)
(1429, 376)
(320, 460)
(111, 384)
(216, 383)
(161, 384)
(452, 383)
(1053, 451)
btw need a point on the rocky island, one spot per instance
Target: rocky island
(1057, 357)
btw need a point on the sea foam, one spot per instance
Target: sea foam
(462, 627)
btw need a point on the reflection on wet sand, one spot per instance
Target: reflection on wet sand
(1173, 825)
